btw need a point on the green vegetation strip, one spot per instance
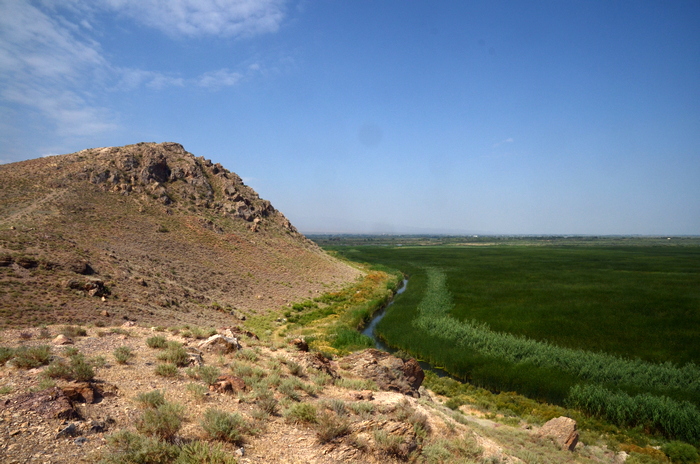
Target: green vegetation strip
(434, 319)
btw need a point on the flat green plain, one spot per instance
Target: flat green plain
(635, 302)
(611, 330)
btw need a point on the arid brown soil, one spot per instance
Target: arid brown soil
(380, 426)
(150, 233)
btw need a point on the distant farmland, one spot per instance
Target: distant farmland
(612, 330)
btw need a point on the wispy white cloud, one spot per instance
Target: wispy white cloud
(508, 140)
(45, 65)
(203, 17)
(51, 62)
(218, 79)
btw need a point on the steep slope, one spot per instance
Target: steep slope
(147, 232)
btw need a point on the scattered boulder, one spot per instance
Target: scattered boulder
(236, 332)
(228, 384)
(80, 267)
(300, 344)
(68, 431)
(365, 395)
(389, 372)
(317, 361)
(562, 430)
(194, 356)
(82, 392)
(219, 344)
(51, 403)
(95, 287)
(27, 263)
(62, 340)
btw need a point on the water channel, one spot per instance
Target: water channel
(369, 331)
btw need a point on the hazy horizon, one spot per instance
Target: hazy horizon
(488, 118)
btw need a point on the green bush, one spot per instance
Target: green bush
(175, 354)
(73, 331)
(679, 452)
(152, 399)
(156, 341)
(6, 354)
(208, 374)
(300, 413)
(82, 370)
(224, 426)
(198, 452)
(198, 391)
(78, 369)
(267, 403)
(133, 448)
(389, 444)
(123, 354)
(163, 422)
(329, 427)
(166, 370)
(31, 357)
(58, 370)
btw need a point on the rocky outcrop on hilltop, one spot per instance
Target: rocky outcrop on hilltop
(147, 232)
(175, 177)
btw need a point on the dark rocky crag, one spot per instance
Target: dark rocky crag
(147, 232)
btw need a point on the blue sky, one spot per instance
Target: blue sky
(561, 117)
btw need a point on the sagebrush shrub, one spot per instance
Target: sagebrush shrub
(151, 399)
(166, 370)
(156, 341)
(224, 426)
(31, 357)
(329, 427)
(175, 354)
(301, 412)
(163, 422)
(123, 354)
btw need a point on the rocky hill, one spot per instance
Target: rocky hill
(147, 232)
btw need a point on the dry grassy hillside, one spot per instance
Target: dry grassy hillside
(147, 232)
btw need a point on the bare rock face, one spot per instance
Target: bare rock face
(562, 430)
(220, 344)
(228, 384)
(300, 344)
(317, 361)
(401, 436)
(389, 372)
(62, 340)
(51, 403)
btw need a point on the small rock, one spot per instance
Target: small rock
(62, 340)
(366, 395)
(220, 344)
(104, 312)
(80, 440)
(562, 430)
(97, 427)
(129, 324)
(70, 431)
(228, 383)
(300, 344)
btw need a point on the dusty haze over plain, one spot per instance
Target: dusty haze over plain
(382, 116)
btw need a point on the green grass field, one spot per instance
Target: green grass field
(554, 322)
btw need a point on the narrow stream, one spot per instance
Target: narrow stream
(380, 345)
